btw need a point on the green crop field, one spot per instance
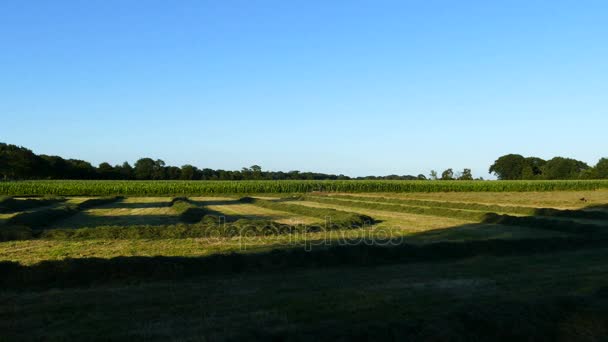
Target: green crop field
(170, 188)
(260, 260)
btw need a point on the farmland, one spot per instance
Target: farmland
(415, 260)
(176, 188)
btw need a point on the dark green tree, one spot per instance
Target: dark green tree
(466, 175)
(447, 174)
(601, 168)
(563, 168)
(508, 167)
(533, 168)
(188, 172)
(106, 171)
(144, 168)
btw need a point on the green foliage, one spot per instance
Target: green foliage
(508, 167)
(185, 188)
(563, 168)
(601, 169)
(447, 175)
(466, 175)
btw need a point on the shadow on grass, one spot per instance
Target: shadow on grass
(136, 205)
(215, 202)
(340, 252)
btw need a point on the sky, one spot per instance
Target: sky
(344, 87)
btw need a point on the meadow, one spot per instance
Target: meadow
(259, 260)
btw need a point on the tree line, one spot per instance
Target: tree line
(518, 167)
(17, 162)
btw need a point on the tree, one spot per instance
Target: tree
(533, 168)
(447, 174)
(508, 167)
(563, 168)
(173, 172)
(188, 172)
(601, 168)
(144, 168)
(106, 171)
(80, 169)
(256, 171)
(125, 170)
(20, 163)
(421, 177)
(433, 175)
(466, 175)
(159, 171)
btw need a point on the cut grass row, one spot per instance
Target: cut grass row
(333, 218)
(488, 208)
(468, 215)
(45, 216)
(547, 219)
(188, 212)
(89, 271)
(466, 211)
(12, 205)
(198, 223)
(180, 188)
(437, 204)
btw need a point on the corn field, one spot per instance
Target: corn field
(177, 188)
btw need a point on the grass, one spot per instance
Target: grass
(334, 218)
(12, 205)
(487, 298)
(125, 212)
(234, 209)
(534, 199)
(514, 278)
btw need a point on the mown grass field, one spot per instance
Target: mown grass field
(370, 265)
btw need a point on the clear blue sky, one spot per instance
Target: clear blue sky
(352, 87)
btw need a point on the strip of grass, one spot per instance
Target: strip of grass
(476, 216)
(438, 204)
(547, 223)
(12, 205)
(188, 211)
(488, 208)
(335, 219)
(45, 216)
(95, 271)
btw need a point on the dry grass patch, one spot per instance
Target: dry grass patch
(402, 221)
(554, 199)
(128, 211)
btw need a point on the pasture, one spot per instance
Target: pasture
(165, 260)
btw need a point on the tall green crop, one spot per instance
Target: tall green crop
(186, 188)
